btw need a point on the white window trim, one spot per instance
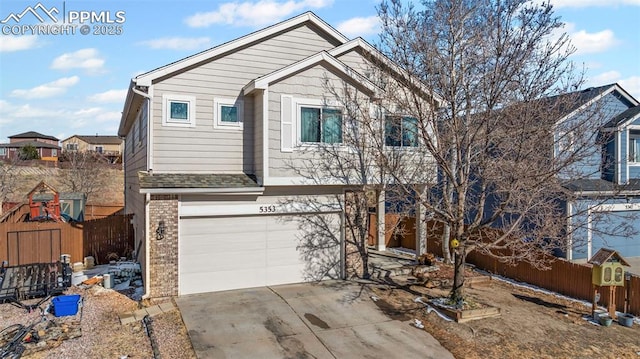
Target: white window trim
(631, 161)
(166, 101)
(217, 114)
(298, 103)
(384, 133)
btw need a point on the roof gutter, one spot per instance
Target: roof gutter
(232, 191)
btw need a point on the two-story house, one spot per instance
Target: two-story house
(110, 147)
(216, 145)
(47, 146)
(605, 206)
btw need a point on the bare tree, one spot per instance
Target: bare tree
(494, 65)
(8, 180)
(83, 172)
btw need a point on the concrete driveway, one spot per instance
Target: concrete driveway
(333, 319)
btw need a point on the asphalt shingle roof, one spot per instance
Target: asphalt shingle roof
(196, 180)
(623, 117)
(600, 185)
(33, 134)
(36, 144)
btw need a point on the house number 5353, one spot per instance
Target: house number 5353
(267, 209)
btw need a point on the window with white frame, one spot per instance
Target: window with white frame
(320, 124)
(228, 114)
(54, 152)
(178, 111)
(401, 131)
(3, 151)
(634, 146)
(72, 147)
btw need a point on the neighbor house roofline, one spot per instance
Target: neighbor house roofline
(610, 89)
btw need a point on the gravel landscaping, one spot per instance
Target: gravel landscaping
(101, 334)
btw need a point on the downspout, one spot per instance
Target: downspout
(149, 97)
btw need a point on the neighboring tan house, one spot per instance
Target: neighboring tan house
(47, 146)
(211, 147)
(108, 146)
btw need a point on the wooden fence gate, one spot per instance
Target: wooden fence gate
(39, 246)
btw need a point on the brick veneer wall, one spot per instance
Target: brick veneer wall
(163, 253)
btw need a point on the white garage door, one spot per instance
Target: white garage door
(223, 253)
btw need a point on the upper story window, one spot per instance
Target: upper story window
(320, 125)
(72, 147)
(99, 149)
(228, 114)
(178, 110)
(634, 146)
(401, 131)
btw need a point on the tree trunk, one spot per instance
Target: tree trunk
(457, 292)
(446, 251)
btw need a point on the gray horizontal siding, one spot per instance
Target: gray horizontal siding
(308, 84)
(204, 148)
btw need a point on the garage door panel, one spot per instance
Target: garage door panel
(213, 262)
(243, 252)
(209, 244)
(236, 225)
(283, 239)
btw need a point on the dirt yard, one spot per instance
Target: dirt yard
(532, 324)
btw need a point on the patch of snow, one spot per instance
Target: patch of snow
(432, 309)
(406, 252)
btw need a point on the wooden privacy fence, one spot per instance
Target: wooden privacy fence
(35, 242)
(564, 277)
(108, 238)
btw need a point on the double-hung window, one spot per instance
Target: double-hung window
(320, 125)
(178, 110)
(634, 146)
(400, 131)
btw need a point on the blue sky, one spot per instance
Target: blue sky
(72, 83)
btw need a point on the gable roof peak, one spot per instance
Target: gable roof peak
(146, 78)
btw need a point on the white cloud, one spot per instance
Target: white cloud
(96, 114)
(87, 59)
(592, 3)
(360, 26)
(50, 89)
(585, 42)
(632, 85)
(591, 43)
(17, 43)
(178, 43)
(111, 96)
(260, 13)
